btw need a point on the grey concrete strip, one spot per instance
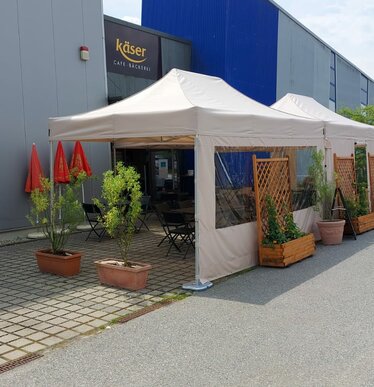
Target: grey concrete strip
(310, 324)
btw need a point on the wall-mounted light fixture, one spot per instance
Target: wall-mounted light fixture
(85, 53)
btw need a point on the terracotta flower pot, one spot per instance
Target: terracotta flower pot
(331, 231)
(64, 265)
(112, 272)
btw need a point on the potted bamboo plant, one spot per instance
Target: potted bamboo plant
(58, 216)
(121, 195)
(330, 229)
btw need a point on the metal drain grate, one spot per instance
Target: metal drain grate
(144, 311)
(18, 362)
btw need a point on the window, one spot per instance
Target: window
(235, 198)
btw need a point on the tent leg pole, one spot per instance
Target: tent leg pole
(197, 285)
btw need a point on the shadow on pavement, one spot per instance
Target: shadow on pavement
(263, 284)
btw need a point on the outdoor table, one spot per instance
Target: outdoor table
(185, 211)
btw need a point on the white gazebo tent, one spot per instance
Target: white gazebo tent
(189, 109)
(341, 133)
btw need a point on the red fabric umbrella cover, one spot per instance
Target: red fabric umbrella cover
(61, 170)
(79, 161)
(35, 172)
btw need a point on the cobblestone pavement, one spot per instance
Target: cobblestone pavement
(39, 311)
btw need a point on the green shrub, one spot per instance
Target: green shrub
(121, 206)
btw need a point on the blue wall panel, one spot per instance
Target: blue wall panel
(228, 38)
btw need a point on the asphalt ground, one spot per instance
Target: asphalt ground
(310, 324)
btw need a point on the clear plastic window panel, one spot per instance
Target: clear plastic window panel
(235, 196)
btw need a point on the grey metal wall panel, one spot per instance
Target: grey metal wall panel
(303, 62)
(13, 157)
(371, 93)
(42, 76)
(347, 85)
(175, 55)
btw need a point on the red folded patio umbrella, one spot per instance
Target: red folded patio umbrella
(61, 170)
(35, 172)
(79, 161)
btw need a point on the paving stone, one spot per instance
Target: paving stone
(57, 321)
(45, 317)
(4, 324)
(18, 319)
(98, 314)
(97, 323)
(37, 336)
(7, 338)
(29, 322)
(42, 326)
(83, 328)
(84, 319)
(73, 308)
(33, 314)
(68, 334)
(5, 348)
(72, 316)
(13, 328)
(20, 342)
(54, 330)
(52, 340)
(34, 347)
(3, 361)
(70, 324)
(14, 354)
(25, 331)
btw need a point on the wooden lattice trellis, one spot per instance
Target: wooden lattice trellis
(371, 175)
(271, 177)
(345, 176)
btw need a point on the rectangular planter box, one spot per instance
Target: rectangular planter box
(361, 224)
(287, 253)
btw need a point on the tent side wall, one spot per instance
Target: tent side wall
(228, 250)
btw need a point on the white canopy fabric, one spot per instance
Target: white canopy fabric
(182, 104)
(184, 109)
(336, 125)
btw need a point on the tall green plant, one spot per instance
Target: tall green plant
(46, 214)
(324, 189)
(121, 194)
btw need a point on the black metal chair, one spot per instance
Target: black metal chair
(93, 216)
(141, 221)
(177, 227)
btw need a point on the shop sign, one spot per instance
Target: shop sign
(130, 51)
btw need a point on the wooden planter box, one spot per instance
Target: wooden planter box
(361, 224)
(287, 253)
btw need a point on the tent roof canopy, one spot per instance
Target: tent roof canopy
(336, 124)
(183, 104)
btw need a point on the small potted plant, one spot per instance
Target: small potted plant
(282, 246)
(330, 229)
(121, 195)
(58, 215)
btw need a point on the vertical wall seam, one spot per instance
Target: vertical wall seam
(54, 59)
(86, 62)
(21, 75)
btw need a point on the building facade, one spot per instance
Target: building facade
(261, 50)
(43, 76)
